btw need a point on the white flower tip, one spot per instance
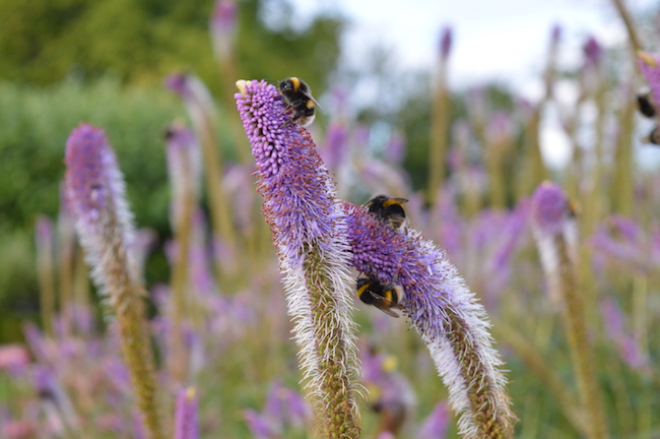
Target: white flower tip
(240, 85)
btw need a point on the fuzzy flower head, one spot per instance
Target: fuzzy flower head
(593, 52)
(291, 172)
(95, 190)
(446, 39)
(223, 27)
(550, 208)
(444, 312)
(186, 422)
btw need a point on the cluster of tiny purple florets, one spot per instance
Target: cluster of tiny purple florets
(290, 175)
(90, 163)
(549, 208)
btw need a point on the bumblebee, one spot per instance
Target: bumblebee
(299, 100)
(645, 105)
(389, 210)
(384, 297)
(653, 137)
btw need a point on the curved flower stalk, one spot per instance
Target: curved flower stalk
(95, 188)
(310, 236)
(45, 242)
(184, 166)
(555, 232)
(445, 313)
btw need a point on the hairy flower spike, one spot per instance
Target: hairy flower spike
(445, 313)
(310, 236)
(186, 422)
(555, 232)
(95, 189)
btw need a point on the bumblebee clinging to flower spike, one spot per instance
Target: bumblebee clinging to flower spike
(298, 98)
(653, 137)
(389, 210)
(384, 297)
(645, 105)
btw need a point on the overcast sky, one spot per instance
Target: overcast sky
(503, 40)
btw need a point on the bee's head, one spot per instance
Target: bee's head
(289, 85)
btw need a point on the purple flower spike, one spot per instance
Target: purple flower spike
(554, 227)
(310, 235)
(550, 208)
(435, 426)
(650, 67)
(336, 146)
(445, 313)
(196, 96)
(260, 427)
(593, 52)
(95, 188)
(223, 27)
(185, 417)
(446, 40)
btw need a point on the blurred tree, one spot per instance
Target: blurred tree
(141, 41)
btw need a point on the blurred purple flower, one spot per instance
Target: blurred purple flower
(186, 424)
(13, 356)
(37, 343)
(335, 149)
(435, 426)
(593, 52)
(184, 164)
(626, 343)
(446, 39)
(260, 427)
(550, 209)
(390, 392)
(284, 408)
(556, 33)
(44, 231)
(224, 22)
(95, 189)
(240, 188)
(395, 150)
(500, 128)
(624, 239)
(17, 429)
(197, 98)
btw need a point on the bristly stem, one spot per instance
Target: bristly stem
(95, 188)
(311, 239)
(555, 232)
(45, 247)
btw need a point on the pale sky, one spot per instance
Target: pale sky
(503, 40)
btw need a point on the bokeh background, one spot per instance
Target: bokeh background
(518, 94)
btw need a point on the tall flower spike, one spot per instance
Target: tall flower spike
(95, 188)
(310, 236)
(186, 423)
(554, 229)
(447, 316)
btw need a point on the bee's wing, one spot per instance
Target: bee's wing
(309, 95)
(383, 304)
